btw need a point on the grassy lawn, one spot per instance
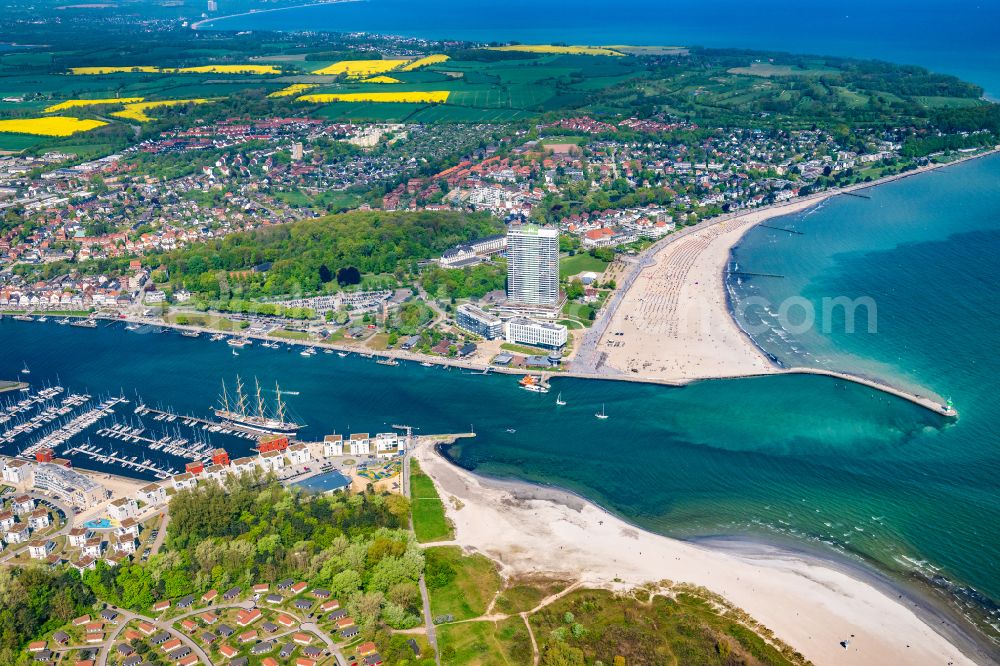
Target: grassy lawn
(682, 630)
(427, 509)
(524, 595)
(204, 320)
(522, 349)
(580, 311)
(504, 643)
(378, 342)
(290, 335)
(460, 585)
(581, 262)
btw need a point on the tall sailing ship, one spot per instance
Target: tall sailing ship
(260, 417)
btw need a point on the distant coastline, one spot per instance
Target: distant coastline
(197, 25)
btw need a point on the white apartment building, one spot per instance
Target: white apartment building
(525, 331)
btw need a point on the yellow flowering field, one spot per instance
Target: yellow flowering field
(423, 62)
(381, 79)
(434, 96)
(113, 70)
(566, 50)
(361, 68)
(138, 111)
(72, 103)
(201, 69)
(49, 126)
(228, 69)
(293, 89)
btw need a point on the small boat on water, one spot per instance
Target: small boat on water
(427, 365)
(327, 351)
(533, 384)
(601, 414)
(237, 342)
(85, 323)
(132, 327)
(387, 361)
(64, 321)
(559, 400)
(217, 337)
(43, 318)
(311, 351)
(25, 369)
(512, 430)
(190, 334)
(342, 354)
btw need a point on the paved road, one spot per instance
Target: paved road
(125, 617)
(161, 535)
(428, 621)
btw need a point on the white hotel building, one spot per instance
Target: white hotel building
(532, 265)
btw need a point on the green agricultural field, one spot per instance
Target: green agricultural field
(427, 509)
(17, 142)
(460, 585)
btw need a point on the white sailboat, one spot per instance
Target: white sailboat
(559, 400)
(601, 414)
(25, 369)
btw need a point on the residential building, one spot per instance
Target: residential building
(39, 519)
(152, 493)
(75, 487)
(17, 472)
(476, 320)
(122, 508)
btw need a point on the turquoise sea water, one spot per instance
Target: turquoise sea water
(958, 38)
(805, 460)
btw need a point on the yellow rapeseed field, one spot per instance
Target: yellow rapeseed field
(114, 70)
(138, 111)
(567, 50)
(293, 89)
(49, 126)
(201, 69)
(423, 62)
(71, 103)
(228, 69)
(361, 68)
(434, 96)
(381, 79)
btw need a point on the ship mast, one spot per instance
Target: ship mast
(225, 397)
(240, 397)
(280, 408)
(260, 400)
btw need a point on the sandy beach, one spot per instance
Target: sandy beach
(671, 320)
(534, 530)
(674, 324)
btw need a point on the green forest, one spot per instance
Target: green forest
(305, 257)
